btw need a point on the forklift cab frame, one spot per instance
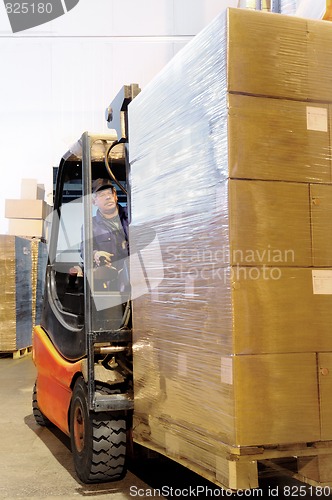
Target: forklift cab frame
(76, 314)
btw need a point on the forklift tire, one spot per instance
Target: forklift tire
(39, 416)
(98, 440)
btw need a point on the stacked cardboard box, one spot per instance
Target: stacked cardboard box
(22, 269)
(237, 186)
(27, 216)
(39, 262)
(16, 293)
(24, 276)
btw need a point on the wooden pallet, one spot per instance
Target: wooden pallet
(310, 464)
(239, 468)
(17, 354)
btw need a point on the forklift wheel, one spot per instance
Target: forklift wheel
(39, 416)
(98, 440)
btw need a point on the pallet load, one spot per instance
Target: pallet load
(39, 254)
(16, 294)
(28, 228)
(232, 171)
(22, 266)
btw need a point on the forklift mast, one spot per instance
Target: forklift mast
(116, 115)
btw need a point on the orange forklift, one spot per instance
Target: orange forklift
(82, 348)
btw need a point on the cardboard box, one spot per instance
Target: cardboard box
(279, 56)
(39, 255)
(29, 189)
(244, 400)
(15, 293)
(277, 139)
(40, 191)
(276, 398)
(244, 310)
(27, 227)
(280, 310)
(321, 220)
(319, 54)
(268, 54)
(325, 385)
(27, 209)
(258, 235)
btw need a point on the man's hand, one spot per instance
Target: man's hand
(104, 256)
(76, 271)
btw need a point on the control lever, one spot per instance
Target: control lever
(102, 260)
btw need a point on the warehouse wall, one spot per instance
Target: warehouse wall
(58, 78)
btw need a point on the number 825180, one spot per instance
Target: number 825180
(29, 8)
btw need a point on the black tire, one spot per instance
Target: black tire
(98, 440)
(39, 416)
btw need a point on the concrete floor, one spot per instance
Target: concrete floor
(36, 462)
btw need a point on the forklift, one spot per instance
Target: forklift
(82, 348)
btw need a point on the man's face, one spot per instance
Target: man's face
(106, 201)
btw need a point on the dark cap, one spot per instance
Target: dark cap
(100, 184)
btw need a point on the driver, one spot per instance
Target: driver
(109, 225)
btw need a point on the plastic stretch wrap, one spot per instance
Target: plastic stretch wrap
(15, 292)
(237, 189)
(288, 6)
(284, 6)
(39, 263)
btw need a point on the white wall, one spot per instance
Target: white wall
(58, 78)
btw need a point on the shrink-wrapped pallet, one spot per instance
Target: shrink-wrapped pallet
(230, 154)
(39, 262)
(15, 293)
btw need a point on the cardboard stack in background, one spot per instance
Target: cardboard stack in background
(23, 265)
(15, 292)
(27, 215)
(39, 256)
(237, 186)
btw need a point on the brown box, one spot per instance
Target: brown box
(27, 227)
(258, 235)
(325, 386)
(276, 398)
(277, 55)
(278, 139)
(243, 400)
(280, 310)
(319, 56)
(268, 54)
(321, 217)
(26, 209)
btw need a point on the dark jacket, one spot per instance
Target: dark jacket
(105, 240)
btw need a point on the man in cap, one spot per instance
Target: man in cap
(110, 237)
(110, 226)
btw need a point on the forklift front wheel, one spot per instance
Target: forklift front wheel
(98, 440)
